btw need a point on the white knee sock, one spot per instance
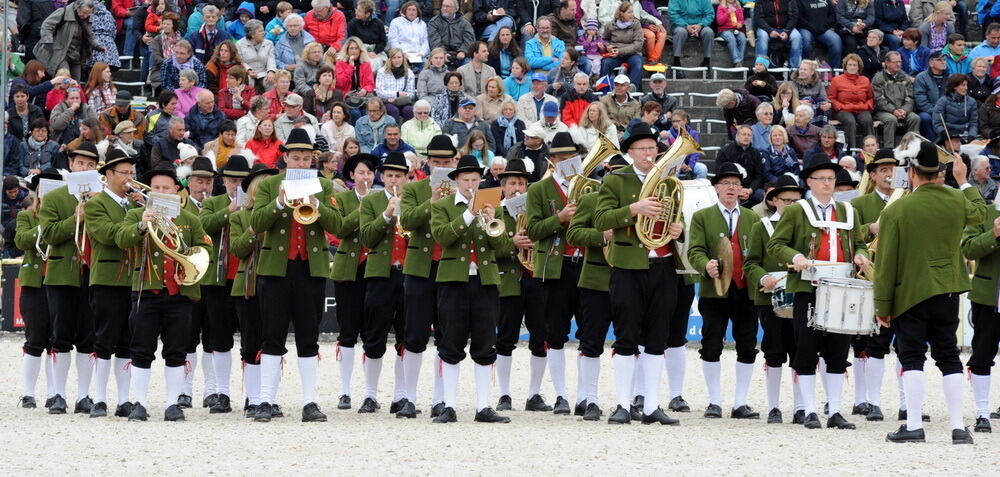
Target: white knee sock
(652, 370)
(208, 372)
(139, 385)
(346, 365)
(536, 374)
(581, 393)
(123, 376)
(373, 369)
(835, 391)
(953, 395)
(102, 371)
(637, 378)
(624, 373)
(590, 368)
(807, 390)
(50, 376)
(484, 374)
(192, 365)
(503, 373)
(557, 370)
(411, 368)
(874, 372)
(900, 385)
(744, 372)
(270, 374)
(251, 383)
(981, 393)
(84, 372)
(914, 382)
(222, 362)
(174, 378)
(797, 403)
(31, 365)
(860, 380)
(449, 383)
(60, 365)
(399, 383)
(821, 375)
(773, 377)
(676, 362)
(713, 375)
(438, 382)
(307, 372)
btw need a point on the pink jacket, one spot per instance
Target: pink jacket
(725, 19)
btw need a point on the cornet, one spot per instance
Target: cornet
(493, 226)
(399, 228)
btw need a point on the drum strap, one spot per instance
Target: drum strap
(768, 226)
(832, 226)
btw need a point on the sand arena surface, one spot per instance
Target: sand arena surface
(532, 444)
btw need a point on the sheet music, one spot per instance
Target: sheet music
(673, 167)
(569, 167)
(241, 196)
(84, 182)
(516, 205)
(300, 174)
(900, 178)
(167, 205)
(47, 185)
(439, 175)
(301, 188)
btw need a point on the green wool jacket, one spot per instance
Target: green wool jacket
(242, 244)
(214, 217)
(276, 225)
(128, 236)
(545, 200)
(794, 235)
(345, 262)
(415, 216)
(868, 207)
(759, 263)
(708, 225)
(30, 274)
(917, 253)
(58, 221)
(595, 273)
(449, 230)
(507, 263)
(110, 265)
(979, 244)
(377, 235)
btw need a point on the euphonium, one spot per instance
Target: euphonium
(303, 212)
(526, 257)
(581, 183)
(668, 191)
(193, 261)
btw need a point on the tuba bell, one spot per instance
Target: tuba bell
(193, 261)
(581, 183)
(667, 190)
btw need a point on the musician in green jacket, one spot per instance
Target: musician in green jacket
(348, 272)
(291, 277)
(763, 271)
(714, 229)
(919, 274)
(161, 302)
(640, 310)
(34, 307)
(420, 267)
(467, 289)
(384, 305)
(66, 277)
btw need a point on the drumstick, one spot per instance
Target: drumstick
(776, 282)
(792, 267)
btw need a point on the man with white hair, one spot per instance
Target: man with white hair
(762, 129)
(326, 24)
(980, 177)
(203, 121)
(209, 36)
(848, 163)
(284, 124)
(419, 131)
(167, 147)
(492, 177)
(289, 46)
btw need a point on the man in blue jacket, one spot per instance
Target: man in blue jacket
(209, 36)
(928, 87)
(544, 51)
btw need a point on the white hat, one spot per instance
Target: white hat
(534, 130)
(621, 79)
(658, 77)
(186, 151)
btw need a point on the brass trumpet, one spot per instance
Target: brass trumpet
(493, 226)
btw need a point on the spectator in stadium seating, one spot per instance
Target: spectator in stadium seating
(258, 56)
(22, 113)
(476, 71)
(508, 129)
(620, 105)
(445, 104)
(785, 102)
(391, 142)
(288, 47)
(206, 39)
(408, 32)
(775, 21)
(66, 39)
(225, 57)
(691, 18)
(370, 128)
(981, 84)
(465, 121)
(187, 92)
(37, 151)
(371, 31)
(430, 82)
(320, 98)
(397, 86)
(564, 23)
(649, 112)
(158, 120)
(67, 116)
(181, 60)
(741, 152)
(955, 110)
(761, 83)
(354, 71)
(161, 49)
(304, 75)
(851, 95)
(530, 13)
(451, 31)
(326, 24)
(489, 16)
(990, 46)
(264, 144)
(489, 103)
(652, 29)
(827, 145)
(762, 128)
(738, 107)
(533, 151)
(561, 78)
(419, 131)
(818, 23)
(519, 82)
(731, 25)
(658, 93)
(529, 106)
(779, 157)
(856, 18)
(892, 91)
(203, 120)
(915, 55)
(928, 87)
(937, 27)
(891, 20)
(803, 134)
(168, 147)
(276, 96)
(812, 90)
(535, 48)
(956, 56)
(503, 50)
(594, 121)
(121, 111)
(692, 168)
(872, 54)
(624, 39)
(989, 117)
(575, 102)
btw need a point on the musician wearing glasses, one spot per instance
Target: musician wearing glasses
(640, 309)
(34, 307)
(291, 278)
(67, 275)
(765, 276)
(724, 231)
(217, 283)
(162, 299)
(557, 263)
(111, 280)
(820, 229)
(384, 307)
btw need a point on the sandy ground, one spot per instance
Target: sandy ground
(534, 443)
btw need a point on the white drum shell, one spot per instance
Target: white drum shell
(815, 274)
(844, 306)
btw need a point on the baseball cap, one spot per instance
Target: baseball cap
(293, 100)
(466, 102)
(621, 79)
(935, 55)
(539, 77)
(124, 98)
(550, 109)
(658, 77)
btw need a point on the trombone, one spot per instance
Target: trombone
(131, 186)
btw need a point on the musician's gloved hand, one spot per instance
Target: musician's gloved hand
(712, 268)
(800, 262)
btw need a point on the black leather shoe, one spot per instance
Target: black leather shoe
(263, 413)
(902, 436)
(713, 411)
(246, 404)
(58, 405)
(826, 409)
(408, 411)
(983, 425)
(861, 409)
(368, 407)
(222, 405)
(396, 406)
(437, 409)
(487, 414)
(799, 417)
(592, 413)
(996, 414)
(99, 409)
(184, 401)
(210, 400)
(344, 402)
(504, 404)
(620, 416)
(173, 413)
(276, 411)
(561, 407)
(811, 421)
(48, 402)
(28, 402)
(744, 412)
(837, 421)
(774, 416)
(311, 413)
(923, 417)
(636, 408)
(580, 408)
(961, 436)
(661, 417)
(678, 404)
(124, 409)
(250, 411)
(83, 406)
(537, 404)
(138, 413)
(874, 414)
(447, 415)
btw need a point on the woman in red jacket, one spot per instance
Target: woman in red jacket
(265, 145)
(276, 96)
(851, 95)
(234, 99)
(354, 73)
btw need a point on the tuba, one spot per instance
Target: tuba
(526, 257)
(581, 183)
(192, 261)
(668, 191)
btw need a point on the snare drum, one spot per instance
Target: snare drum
(844, 306)
(815, 274)
(782, 303)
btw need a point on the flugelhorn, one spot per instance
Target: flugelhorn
(193, 261)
